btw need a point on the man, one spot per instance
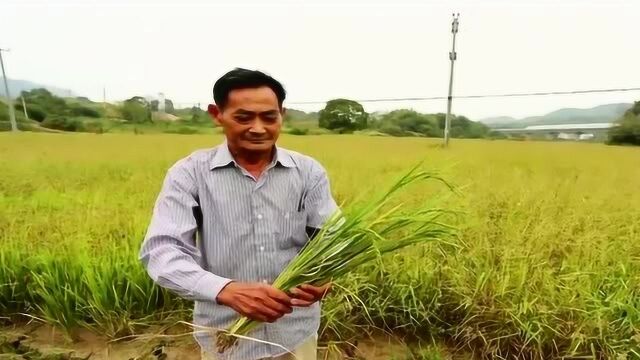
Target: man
(253, 206)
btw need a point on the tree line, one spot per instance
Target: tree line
(346, 116)
(81, 114)
(338, 116)
(627, 129)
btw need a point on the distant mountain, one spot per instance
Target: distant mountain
(598, 114)
(17, 86)
(299, 115)
(498, 120)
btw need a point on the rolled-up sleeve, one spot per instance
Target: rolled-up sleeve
(319, 202)
(169, 250)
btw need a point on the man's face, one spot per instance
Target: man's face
(251, 119)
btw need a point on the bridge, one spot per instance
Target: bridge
(576, 132)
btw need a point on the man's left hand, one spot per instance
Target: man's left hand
(306, 295)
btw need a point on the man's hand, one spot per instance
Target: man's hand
(256, 301)
(305, 295)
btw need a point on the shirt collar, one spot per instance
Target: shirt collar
(223, 157)
(284, 158)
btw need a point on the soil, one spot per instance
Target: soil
(43, 342)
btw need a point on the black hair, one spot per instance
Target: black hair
(239, 78)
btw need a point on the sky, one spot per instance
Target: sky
(329, 49)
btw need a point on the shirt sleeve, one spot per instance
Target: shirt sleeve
(319, 202)
(169, 251)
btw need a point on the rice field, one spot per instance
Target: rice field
(547, 263)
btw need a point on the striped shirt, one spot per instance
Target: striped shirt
(213, 222)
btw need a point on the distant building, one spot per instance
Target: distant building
(567, 136)
(161, 103)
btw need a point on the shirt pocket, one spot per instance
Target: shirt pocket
(292, 229)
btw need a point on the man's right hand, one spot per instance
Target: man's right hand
(256, 301)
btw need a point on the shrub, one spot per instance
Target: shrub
(6, 126)
(79, 110)
(93, 127)
(181, 130)
(63, 123)
(298, 131)
(35, 112)
(4, 112)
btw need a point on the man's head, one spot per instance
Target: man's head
(248, 106)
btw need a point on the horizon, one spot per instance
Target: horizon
(73, 94)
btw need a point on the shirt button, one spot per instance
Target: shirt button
(261, 248)
(259, 216)
(265, 281)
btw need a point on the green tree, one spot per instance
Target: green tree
(137, 110)
(80, 110)
(406, 122)
(462, 127)
(41, 103)
(343, 115)
(35, 112)
(199, 116)
(45, 101)
(627, 129)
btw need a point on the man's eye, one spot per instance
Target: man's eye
(242, 118)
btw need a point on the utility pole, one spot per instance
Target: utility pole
(452, 57)
(12, 114)
(24, 107)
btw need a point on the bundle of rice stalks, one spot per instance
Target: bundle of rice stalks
(360, 234)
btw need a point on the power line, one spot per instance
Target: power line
(479, 96)
(192, 103)
(544, 93)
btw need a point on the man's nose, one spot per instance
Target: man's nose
(257, 128)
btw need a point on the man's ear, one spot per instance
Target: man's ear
(215, 113)
(283, 112)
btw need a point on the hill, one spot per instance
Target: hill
(299, 115)
(498, 120)
(16, 86)
(598, 114)
(300, 119)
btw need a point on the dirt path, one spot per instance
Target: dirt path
(42, 342)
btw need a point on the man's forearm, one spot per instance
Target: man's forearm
(171, 267)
